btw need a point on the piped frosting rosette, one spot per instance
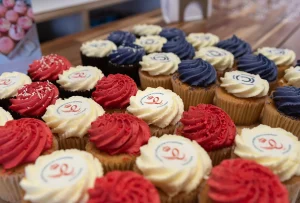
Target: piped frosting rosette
(146, 29)
(157, 106)
(63, 176)
(98, 48)
(274, 148)
(174, 164)
(4, 116)
(292, 76)
(244, 85)
(151, 43)
(201, 40)
(279, 56)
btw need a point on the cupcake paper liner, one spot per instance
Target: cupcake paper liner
(155, 81)
(273, 85)
(100, 63)
(5, 103)
(72, 142)
(66, 94)
(114, 110)
(158, 132)
(293, 187)
(282, 82)
(242, 111)
(131, 70)
(281, 71)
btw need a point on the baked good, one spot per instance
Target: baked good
(20, 7)
(291, 77)
(6, 45)
(179, 46)
(30, 13)
(115, 139)
(120, 37)
(3, 10)
(160, 108)
(4, 116)
(195, 82)
(151, 44)
(8, 3)
(170, 33)
(157, 70)
(146, 29)
(242, 96)
(4, 25)
(201, 40)
(11, 16)
(70, 119)
(25, 22)
(16, 32)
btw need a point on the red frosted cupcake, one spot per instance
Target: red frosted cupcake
(115, 139)
(33, 99)
(21, 142)
(48, 68)
(243, 181)
(211, 128)
(125, 187)
(114, 91)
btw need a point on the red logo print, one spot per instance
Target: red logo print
(71, 108)
(175, 153)
(79, 75)
(62, 170)
(5, 81)
(155, 100)
(271, 144)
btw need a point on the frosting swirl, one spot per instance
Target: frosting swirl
(63, 176)
(209, 126)
(156, 106)
(23, 141)
(244, 85)
(292, 76)
(97, 48)
(174, 164)
(120, 37)
(4, 116)
(145, 29)
(72, 117)
(285, 57)
(274, 148)
(48, 67)
(128, 54)
(197, 72)
(160, 63)
(220, 59)
(10, 82)
(246, 181)
(151, 43)
(170, 33)
(80, 78)
(114, 91)
(287, 100)
(258, 65)
(33, 99)
(201, 40)
(125, 187)
(179, 46)
(236, 46)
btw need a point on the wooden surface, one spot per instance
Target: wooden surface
(276, 30)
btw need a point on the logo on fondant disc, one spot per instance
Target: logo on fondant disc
(80, 75)
(244, 79)
(279, 52)
(155, 99)
(73, 108)
(8, 81)
(215, 53)
(160, 57)
(149, 41)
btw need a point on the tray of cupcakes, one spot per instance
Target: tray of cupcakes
(153, 115)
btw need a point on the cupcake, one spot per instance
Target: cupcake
(3, 10)
(259, 65)
(21, 143)
(125, 60)
(157, 70)
(6, 45)
(48, 68)
(114, 91)
(275, 149)
(4, 116)
(281, 110)
(151, 44)
(180, 47)
(176, 166)
(170, 33)
(211, 128)
(246, 181)
(120, 37)
(242, 96)
(8, 3)
(16, 32)
(11, 16)
(25, 22)
(125, 187)
(10, 82)
(291, 77)
(33, 99)
(20, 7)
(4, 25)
(79, 81)
(160, 108)
(63, 176)
(70, 120)
(115, 139)
(201, 40)
(283, 58)
(146, 29)
(30, 13)
(220, 59)
(95, 53)
(195, 82)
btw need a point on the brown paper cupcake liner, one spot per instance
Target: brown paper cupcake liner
(114, 110)
(155, 81)
(275, 119)
(66, 94)
(100, 63)
(273, 85)
(282, 82)
(281, 71)
(158, 132)
(242, 111)
(293, 187)
(72, 142)
(128, 69)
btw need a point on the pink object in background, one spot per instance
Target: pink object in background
(20, 7)
(25, 22)
(8, 3)
(4, 25)
(6, 45)
(3, 10)
(12, 16)
(30, 13)
(16, 32)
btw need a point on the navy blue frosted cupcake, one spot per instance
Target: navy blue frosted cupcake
(125, 60)
(170, 33)
(121, 37)
(283, 109)
(236, 46)
(179, 46)
(195, 82)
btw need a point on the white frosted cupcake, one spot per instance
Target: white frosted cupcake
(80, 81)
(70, 120)
(63, 176)
(151, 44)
(4, 116)
(146, 29)
(176, 165)
(157, 70)
(161, 109)
(291, 77)
(201, 40)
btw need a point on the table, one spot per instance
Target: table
(276, 30)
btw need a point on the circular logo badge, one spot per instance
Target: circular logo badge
(99, 44)
(215, 53)
(63, 171)
(149, 41)
(6, 82)
(80, 75)
(155, 100)
(297, 68)
(202, 37)
(160, 57)
(73, 108)
(245, 79)
(279, 52)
